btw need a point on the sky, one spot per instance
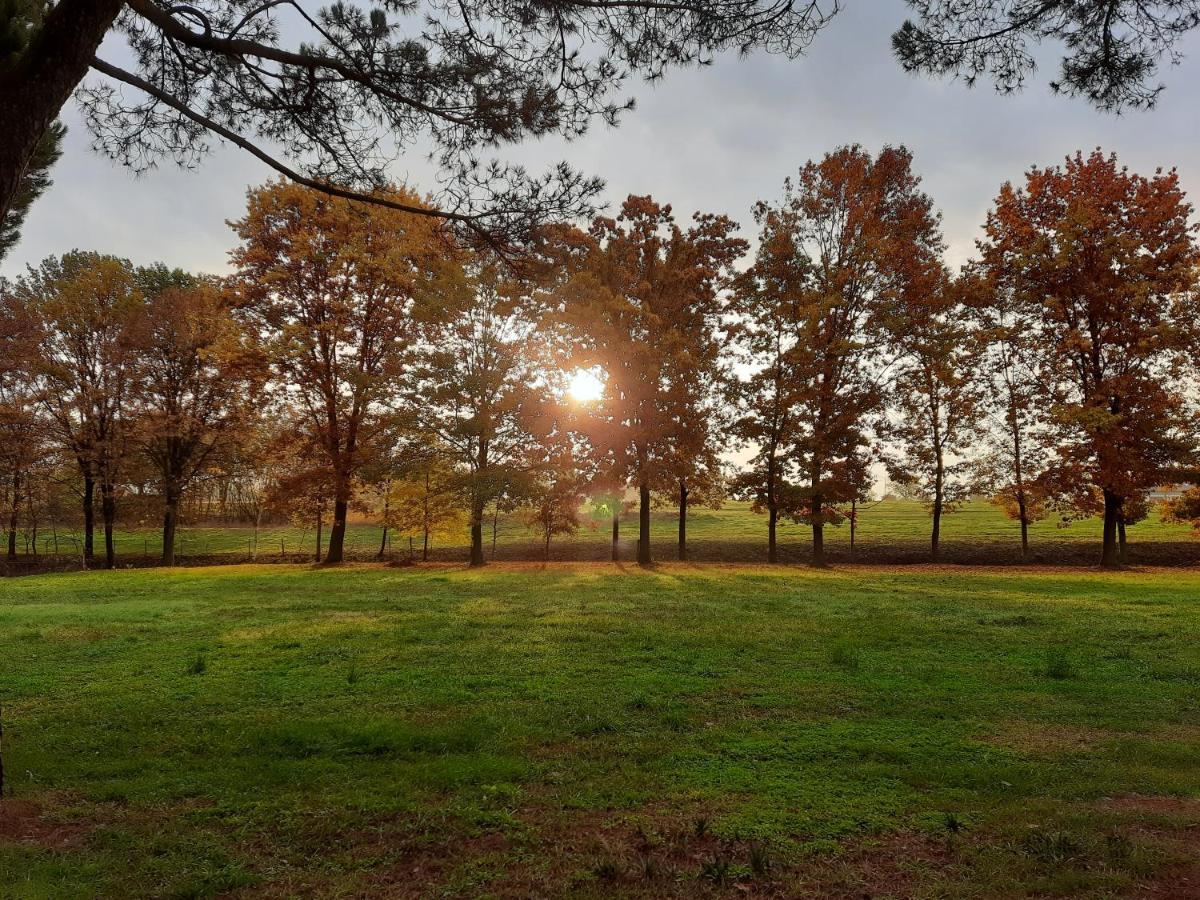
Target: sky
(715, 139)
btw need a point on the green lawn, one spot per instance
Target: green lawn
(589, 730)
(895, 530)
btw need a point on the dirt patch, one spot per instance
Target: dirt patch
(26, 822)
(894, 865)
(1177, 808)
(1047, 739)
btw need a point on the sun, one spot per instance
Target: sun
(585, 386)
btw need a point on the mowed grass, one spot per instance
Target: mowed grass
(888, 528)
(591, 730)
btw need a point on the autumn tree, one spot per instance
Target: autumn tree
(22, 437)
(88, 308)
(340, 87)
(554, 500)
(850, 238)
(1017, 452)
(1104, 263)
(935, 420)
(768, 305)
(1185, 508)
(641, 302)
(417, 492)
(334, 285)
(1113, 47)
(198, 376)
(698, 415)
(477, 387)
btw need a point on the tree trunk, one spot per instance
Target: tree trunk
(108, 510)
(683, 511)
(495, 525)
(170, 521)
(320, 523)
(477, 558)
(644, 556)
(33, 92)
(478, 504)
(1122, 547)
(337, 534)
(616, 531)
(818, 532)
(1023, 512)
(425, 519)
(772, 508)
(1110, 557)
(14, 515)
(546, 554)
(935, 537)
(387, 508)
(939, 484)
(853, 527)
(89, 518)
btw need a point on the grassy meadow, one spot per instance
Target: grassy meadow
(888, 532)
(598, 730)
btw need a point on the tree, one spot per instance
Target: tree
(1113, 46)
(866, 232)
(22, 439)
(19, 20)
(425, 498)
(1009, 366)
(769, 309)
(554, 501)
(358, 80)
(1104, 264)
(1185, 508)
(334, 286)
(88, 308)
(252, 467)
(641, 303)
(198, 376)
(35, 182)
(477, 386)
(937, 398)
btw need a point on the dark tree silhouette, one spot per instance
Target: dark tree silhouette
(326, 97)
(1113, 47)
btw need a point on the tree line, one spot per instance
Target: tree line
(365, 356)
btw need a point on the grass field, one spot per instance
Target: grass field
(892, 531)
(591, 730)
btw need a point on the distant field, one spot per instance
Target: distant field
(893, 531)
(582, 730)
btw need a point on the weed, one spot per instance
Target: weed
(760, 858)
(198, 666)
(651, 870)
(1053, 848)
(716, 869)
(845, 656)
(1059, 665)
(607, 870)
(700, 827)
(952, 823)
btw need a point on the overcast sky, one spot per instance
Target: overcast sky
(715, 139)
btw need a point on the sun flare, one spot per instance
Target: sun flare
(585, 386)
